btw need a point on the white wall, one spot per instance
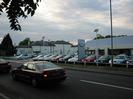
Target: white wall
(42, 49)
(24, 51)
(62, 49)
(57, 49)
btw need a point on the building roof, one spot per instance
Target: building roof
(118, 43)
(49, 43)
(22, 46)
(45, 43)
(61, 42)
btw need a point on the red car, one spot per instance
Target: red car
(90, 58)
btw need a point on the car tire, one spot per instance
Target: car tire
(34, 82)
(14, 76)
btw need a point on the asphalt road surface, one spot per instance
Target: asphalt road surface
(78, 85)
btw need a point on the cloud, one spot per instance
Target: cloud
(73, 19)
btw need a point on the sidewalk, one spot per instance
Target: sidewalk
(101, 69)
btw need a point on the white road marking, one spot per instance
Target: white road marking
(103, 84)
(5, 97)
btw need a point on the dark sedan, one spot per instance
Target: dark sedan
(4, 66)
(104, 59)
(39, 72)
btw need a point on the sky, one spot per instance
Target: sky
(71, 20)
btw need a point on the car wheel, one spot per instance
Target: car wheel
(14, 76)
(34, 82)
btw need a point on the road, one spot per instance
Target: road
(79, 85)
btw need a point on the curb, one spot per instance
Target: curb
(120, 73)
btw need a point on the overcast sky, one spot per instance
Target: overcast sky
(73, 19)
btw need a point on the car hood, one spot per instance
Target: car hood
(102, 59)
(118, 59)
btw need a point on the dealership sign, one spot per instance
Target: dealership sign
(81, 49)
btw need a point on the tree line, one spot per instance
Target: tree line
(99, 36)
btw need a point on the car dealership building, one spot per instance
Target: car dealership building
(121, 45)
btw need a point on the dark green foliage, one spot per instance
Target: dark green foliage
(25, 42)
(7, 46)
(18, 8)
(99, 36)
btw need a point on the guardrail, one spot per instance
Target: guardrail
(94, 64)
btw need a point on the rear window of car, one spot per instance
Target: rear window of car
(45, 65)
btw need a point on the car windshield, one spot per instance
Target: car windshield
(131, 57)
(103, 57)
(46, 65)
(91, 56)
(120, 57)
(67, 56)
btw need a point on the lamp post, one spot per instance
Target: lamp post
(50, 46)
(96, 51)
(111, 29)
(43, 42)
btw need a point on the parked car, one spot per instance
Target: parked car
(37, 57)
(130, 60)
(57, 58)
(120, 59)
(73, 59)
(51, 57)
(65, 58)
(4, 66)
(39, 72)
(90, 58)
(43, 57)
(22, 57)
(104, 59)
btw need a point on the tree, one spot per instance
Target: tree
(18, 8)
(25, 42)
(99, 36)
(7, 46)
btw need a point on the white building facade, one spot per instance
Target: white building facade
(121, 45)
(57, 48)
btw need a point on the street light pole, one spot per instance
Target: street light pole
(96, 51)
(111, 33)
(43, 42)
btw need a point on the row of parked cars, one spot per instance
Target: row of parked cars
(119, 59)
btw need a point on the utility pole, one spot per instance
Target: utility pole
(43, 42)
(111, 29)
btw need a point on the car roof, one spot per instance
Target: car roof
(34, 62)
